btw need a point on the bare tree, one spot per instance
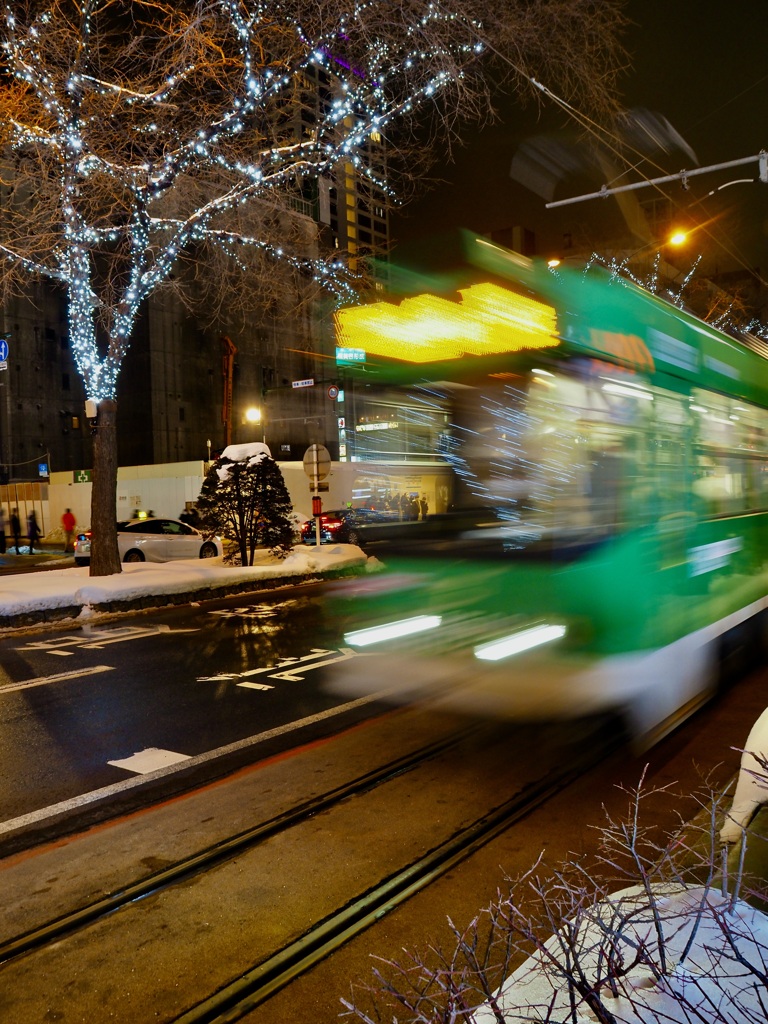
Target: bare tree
(147, 134)
(657, 928)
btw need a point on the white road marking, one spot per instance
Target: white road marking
(94, 639)
(106, 792)
(295, 668)
(143, 762)
(296, 676)
(58, 678)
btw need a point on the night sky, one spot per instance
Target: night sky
(700, 65)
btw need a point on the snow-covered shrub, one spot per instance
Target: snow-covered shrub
(245, 499)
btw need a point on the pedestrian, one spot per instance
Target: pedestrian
(33, 531)
(424, 505)
(2, 530)
(68, 523)
(16, 529)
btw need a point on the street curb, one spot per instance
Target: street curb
(59, 615)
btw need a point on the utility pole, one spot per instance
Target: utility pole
(682, 176)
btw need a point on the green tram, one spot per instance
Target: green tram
(597, 535)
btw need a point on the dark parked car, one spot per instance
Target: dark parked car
(344, 525)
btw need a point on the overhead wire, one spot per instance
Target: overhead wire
(620, 148)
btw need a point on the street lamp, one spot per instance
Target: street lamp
(676, 238)
(253, 414)
(253, 417)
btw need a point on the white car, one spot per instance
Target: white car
(154, 540)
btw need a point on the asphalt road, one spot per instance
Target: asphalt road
(134, 707)
(162, 700)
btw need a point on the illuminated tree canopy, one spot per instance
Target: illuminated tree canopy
(147, 137)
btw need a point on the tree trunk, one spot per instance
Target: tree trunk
(105, 558)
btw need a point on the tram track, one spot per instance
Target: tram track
(207, 858)
(255, 986)
(257, 887)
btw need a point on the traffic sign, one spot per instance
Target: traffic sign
(317, 462)
(303, 383)
(350, 355)
(3, 350)
(333, 391)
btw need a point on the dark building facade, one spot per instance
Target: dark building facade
(183, 393)
(42, 399)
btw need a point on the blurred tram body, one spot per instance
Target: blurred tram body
(602, 537)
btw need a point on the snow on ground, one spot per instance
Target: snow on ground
(61, 588)
(715, 964)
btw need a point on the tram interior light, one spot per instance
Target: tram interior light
(628, 392)
(392, 630)
(523, 640)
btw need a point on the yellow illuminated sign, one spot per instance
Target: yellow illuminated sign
(487, 320)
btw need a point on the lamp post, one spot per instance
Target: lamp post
(253, 416)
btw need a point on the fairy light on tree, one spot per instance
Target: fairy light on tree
(148, 140)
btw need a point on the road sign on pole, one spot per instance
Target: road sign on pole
(317, 466)
(317, 463)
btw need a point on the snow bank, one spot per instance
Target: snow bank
(715, 963)
(63, 588)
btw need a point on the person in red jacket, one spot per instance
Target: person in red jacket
(68, 522)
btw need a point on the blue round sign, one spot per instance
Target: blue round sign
(3, 350)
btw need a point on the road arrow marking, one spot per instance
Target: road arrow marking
(296, 676)
(290, 668)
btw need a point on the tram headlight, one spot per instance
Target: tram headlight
(392, 630)
(518, 642)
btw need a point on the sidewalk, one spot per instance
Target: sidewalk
(47, 593)
(47, 554)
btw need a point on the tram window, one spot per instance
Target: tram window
(591, 441)
(667, 484)
(730, 483)
(728, 423)
(731, 456)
